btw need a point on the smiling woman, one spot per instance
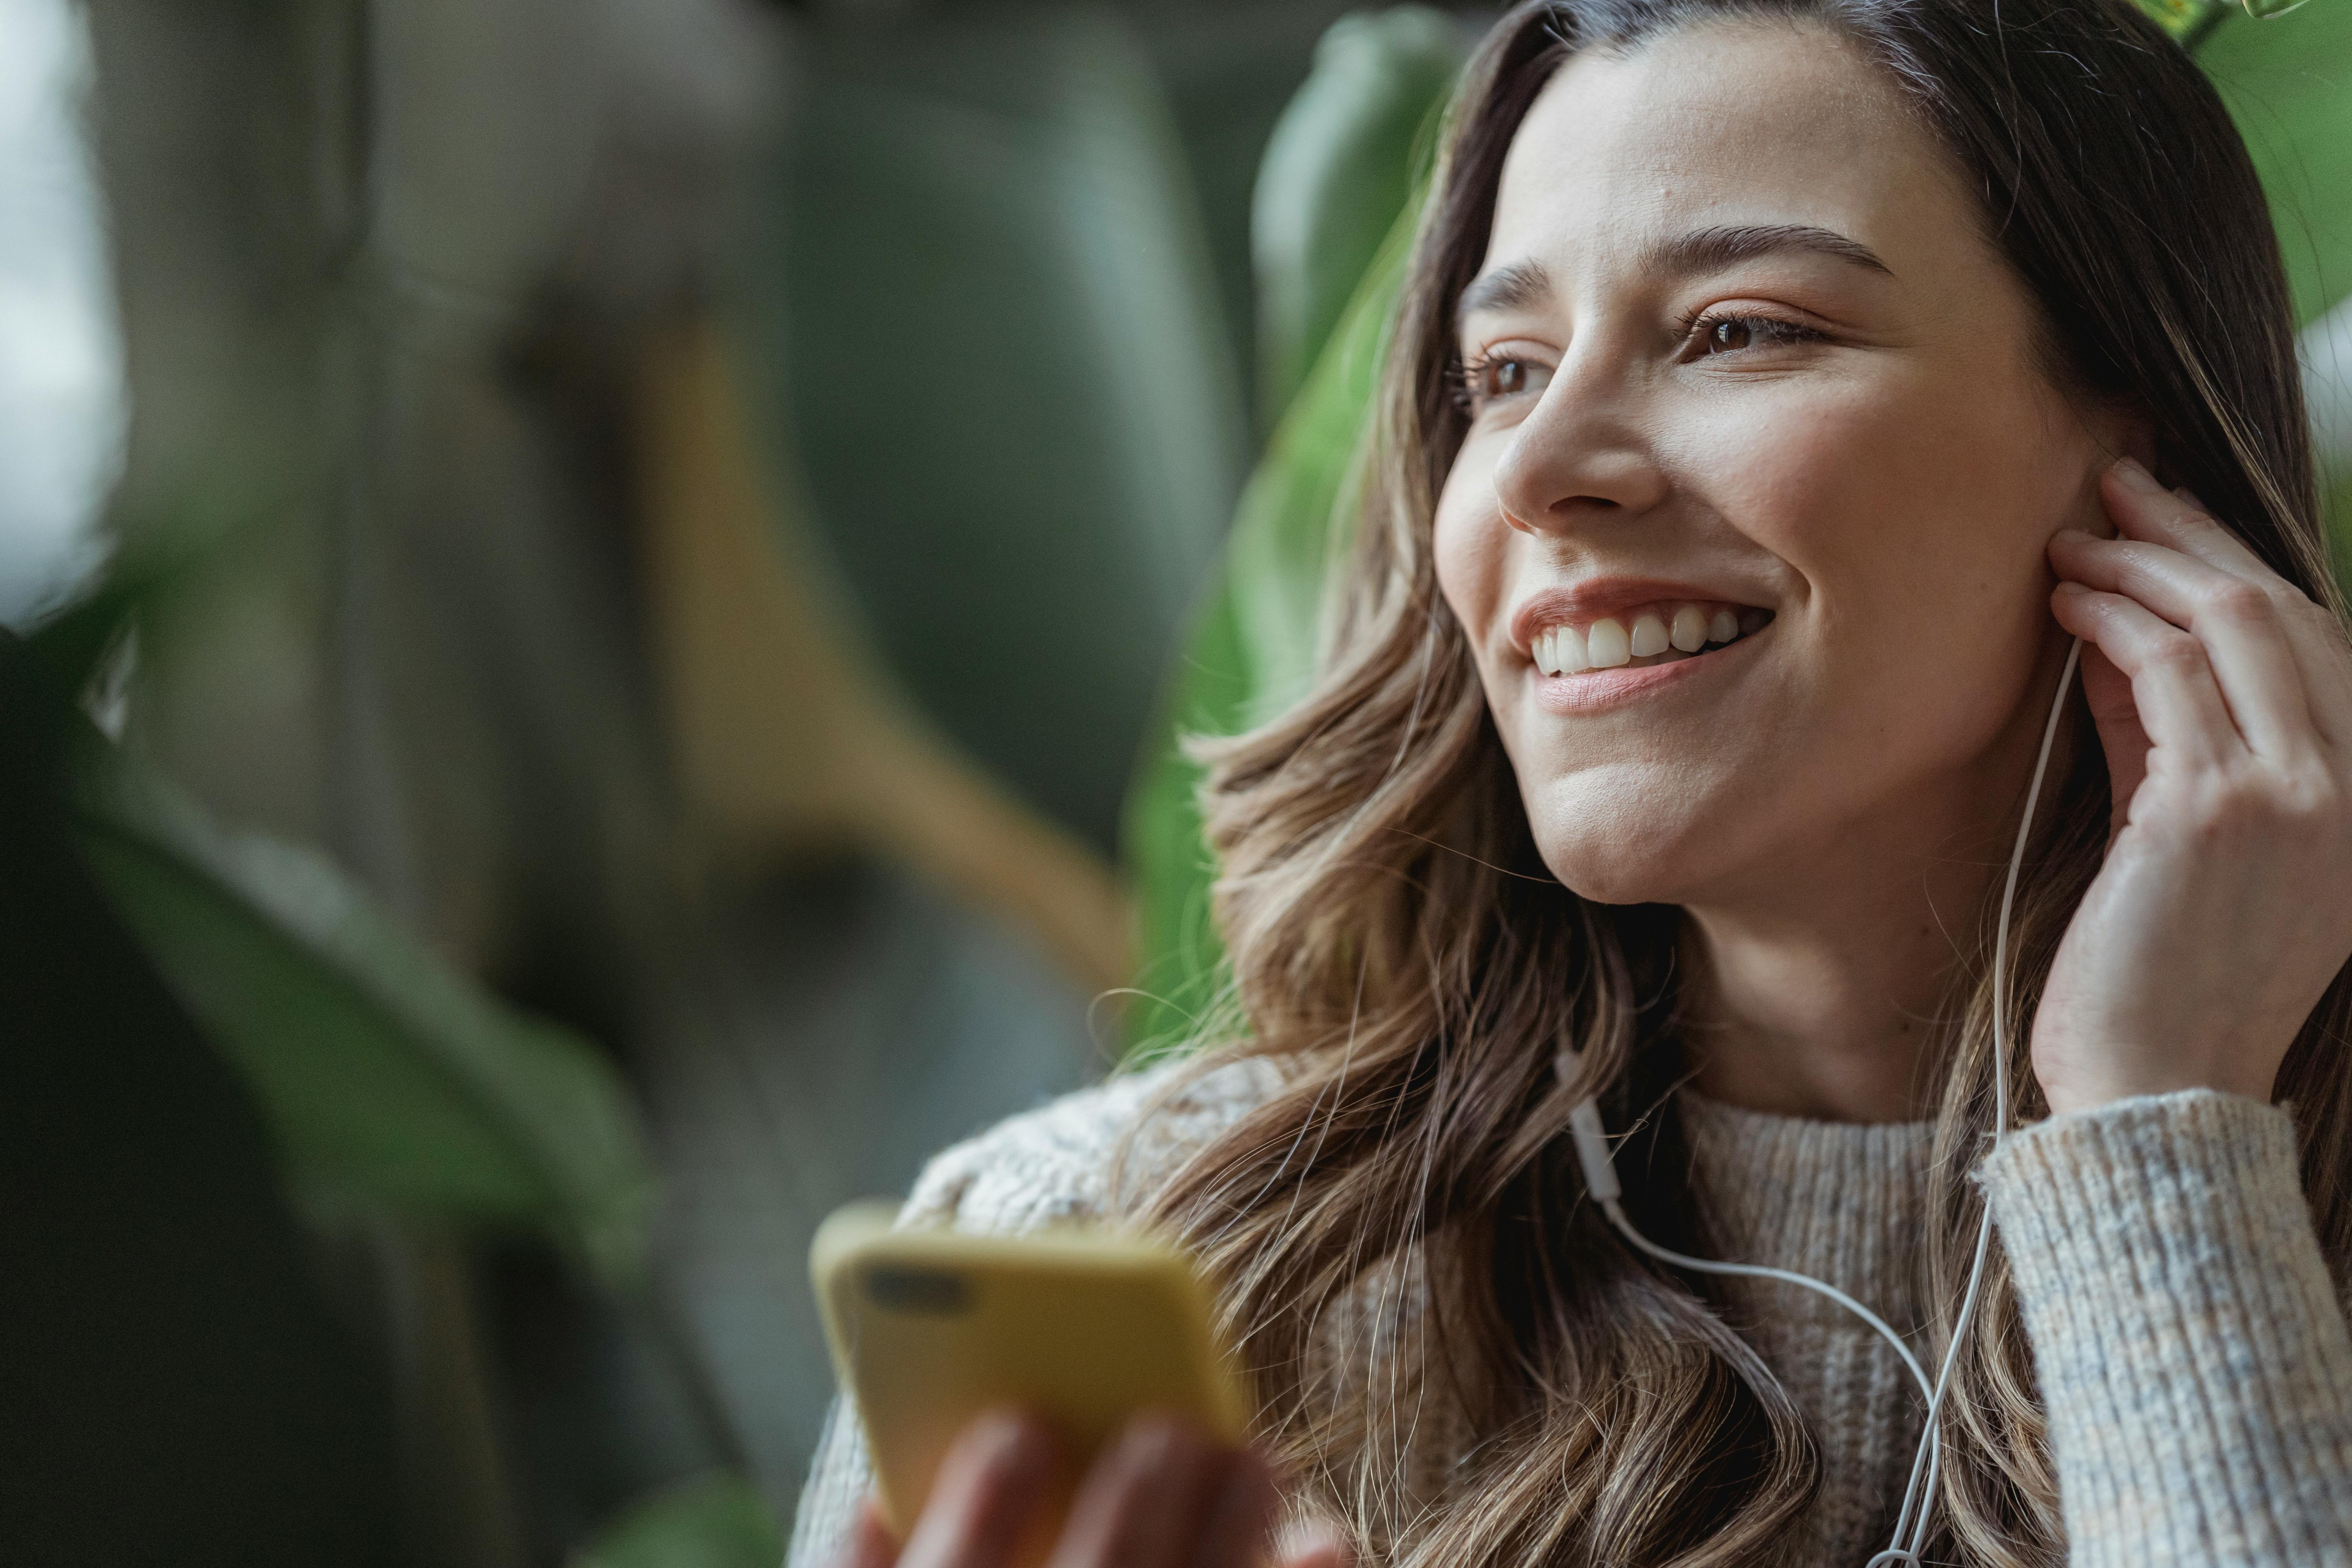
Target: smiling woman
(1781, 387)
(1739, 338)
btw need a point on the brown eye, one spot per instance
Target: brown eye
(1497, 378)
(1502, 379)
(1711, 335)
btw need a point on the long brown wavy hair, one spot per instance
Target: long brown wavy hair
(1399, 948)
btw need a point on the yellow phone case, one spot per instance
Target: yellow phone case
(929, 1328)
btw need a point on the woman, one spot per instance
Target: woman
(1780, 386)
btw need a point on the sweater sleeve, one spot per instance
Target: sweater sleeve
(838, 1480)
(2193, 1358)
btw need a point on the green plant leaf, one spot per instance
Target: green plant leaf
(997, 365)
(1341, 161)
(1252, 649)
(2288, 83)
(2189, 22)
(1336, 206)
(717, 1521)
(389, 1078)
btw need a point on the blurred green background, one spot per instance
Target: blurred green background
(602, 592)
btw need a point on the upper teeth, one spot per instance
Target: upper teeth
(1610, 641)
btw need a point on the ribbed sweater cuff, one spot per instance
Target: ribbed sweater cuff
(2194, 1361)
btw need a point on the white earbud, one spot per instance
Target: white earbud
(1592, 1140)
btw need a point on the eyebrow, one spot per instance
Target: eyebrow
(1523, 283)
(1712, 249)
(1510, 287)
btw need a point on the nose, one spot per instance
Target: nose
(1580, 457)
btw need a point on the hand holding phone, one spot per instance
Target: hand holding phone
(1161, 1496)
(1058, 1399)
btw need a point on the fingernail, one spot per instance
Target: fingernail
(2130, 470)
(1004, 1438)
(992, 1428)
(1168, 1439)
(1315, 1543)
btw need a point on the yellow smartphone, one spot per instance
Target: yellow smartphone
(1087, 1328)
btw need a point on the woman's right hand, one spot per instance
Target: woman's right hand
(1162, 1496)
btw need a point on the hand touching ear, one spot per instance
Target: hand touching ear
(2223, 700)
(1162, 1496)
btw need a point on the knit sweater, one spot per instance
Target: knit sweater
(2194, 1360)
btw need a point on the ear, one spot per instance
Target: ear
(2125, 430)
(2112, 428)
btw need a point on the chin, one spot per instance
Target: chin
(1621, 848)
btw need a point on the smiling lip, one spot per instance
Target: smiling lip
(1599, 596)
(1599, 691)
(1612, 602)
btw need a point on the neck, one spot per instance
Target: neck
(1830, 1012)
(1824, 989)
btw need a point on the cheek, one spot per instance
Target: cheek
(1468, 546)
(1916, 505)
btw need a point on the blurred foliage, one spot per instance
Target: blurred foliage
(715, 1521)
(2188, 21)
(385, 1084)
(1254, 638)
(393, 1082)
(1336, 172)
(2288, 83)
(994, 325)
(180, 1388)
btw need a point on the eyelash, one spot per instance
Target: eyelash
(1769, 331)
(1470, 375)
(1765, 332)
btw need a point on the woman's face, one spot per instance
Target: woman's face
(1747, 531)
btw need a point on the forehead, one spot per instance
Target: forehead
(1729, 123)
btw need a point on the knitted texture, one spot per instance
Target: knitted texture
(1841, 1203)
(2193, 1357)
(2197, 1367)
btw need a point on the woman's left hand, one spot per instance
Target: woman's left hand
(2223, 699)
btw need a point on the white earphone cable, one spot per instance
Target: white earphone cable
(1758, 1271)
(1591, 1142)
(1899, 1550)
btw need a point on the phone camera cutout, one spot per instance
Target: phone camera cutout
(934, 1291)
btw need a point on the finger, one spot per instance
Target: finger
(1315, 1543)
(2178, 703)
(1315, 1546)
(1141, 1504)
(1242, 1516)
(2107, 691)
(870, 1543)
(2324, 653)
(2242, 625)
(2321, 647)
(2143, 509)
(988, 1486)
(2179, 520)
